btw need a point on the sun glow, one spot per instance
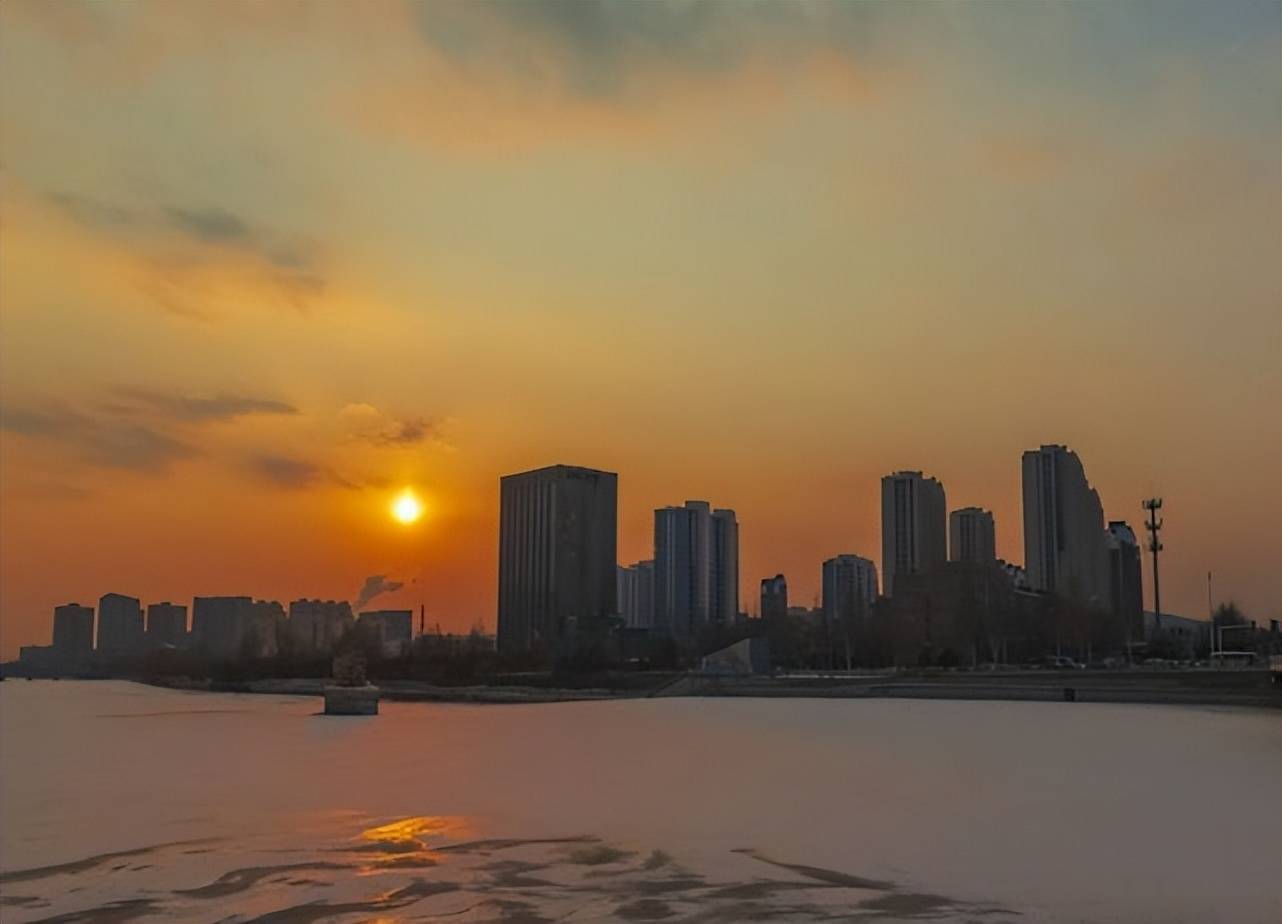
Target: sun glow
(407, 507)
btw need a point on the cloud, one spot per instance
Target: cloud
(107, 443)
(374, 426)
(375, 585)
(287, 472)
(199, 409)
(210, 224)
(190, 256)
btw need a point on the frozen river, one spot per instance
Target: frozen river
(121, 802)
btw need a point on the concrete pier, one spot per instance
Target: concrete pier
(351, 700)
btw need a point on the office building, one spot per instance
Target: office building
(971, 536)
(914, 536)
(120, 625)
(557, 540)
(774, 597)
(1063, 527)
(635, 594)
(696, 569)
(315, 626)
(1125, 578)
(73, 630)
(849, 588)
(166, 625)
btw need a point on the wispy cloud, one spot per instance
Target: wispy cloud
(201, 408)
(372, 425)
(101, 441)
(175, 244)
(286, 471)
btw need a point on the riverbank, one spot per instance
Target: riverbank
(1251, 688)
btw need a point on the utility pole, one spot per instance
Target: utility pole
(1154, 524)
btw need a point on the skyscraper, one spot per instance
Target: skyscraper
(73, 629)
(166, 624)
(724, 601)
(120, 628)
(696, 568)
(849, 588)
(1063, 527)
(914, 532)
(635, 594)
(557, 539)
(774, 597)
(971, 536)
(1125, 578)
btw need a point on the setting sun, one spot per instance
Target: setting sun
(407, 508)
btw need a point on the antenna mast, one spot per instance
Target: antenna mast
(1154, 525)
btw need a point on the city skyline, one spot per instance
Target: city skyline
(255, 282)
(556, 586)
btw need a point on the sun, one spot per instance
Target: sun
(407, 508)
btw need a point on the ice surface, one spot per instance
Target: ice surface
(126, 801)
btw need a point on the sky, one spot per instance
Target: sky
(265, 265)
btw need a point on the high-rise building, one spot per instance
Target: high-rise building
(1063, 527)
(166, 624)
(971, 536)
(914, 531)
(557, 540)
(120, 627)
(774, 597)
(235, 627)
(1125, 578)
(73, 630)
(218, 624)
(724, 602)
(696, 568)
(635, 594)
(849, 588)
(394, 629)
(315, 626)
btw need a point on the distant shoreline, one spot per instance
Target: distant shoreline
(1250, 688)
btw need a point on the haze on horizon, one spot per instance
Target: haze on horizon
(264, 266)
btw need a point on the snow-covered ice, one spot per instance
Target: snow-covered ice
(124, 801)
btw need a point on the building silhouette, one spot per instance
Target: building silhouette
(315, 626)
(914, 535)
(635, 594)
(849, 588)
(557, 560)
(166, 624)
(696, 569)
(73, 630)
(1125, 578)
(774, 597)
(971, 536)
(393, 629)
(120, 625)
(725, 568)
(1063, 527)
(235, 627)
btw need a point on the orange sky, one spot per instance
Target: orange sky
(264, 265)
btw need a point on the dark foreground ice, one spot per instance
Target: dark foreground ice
(121, 802)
